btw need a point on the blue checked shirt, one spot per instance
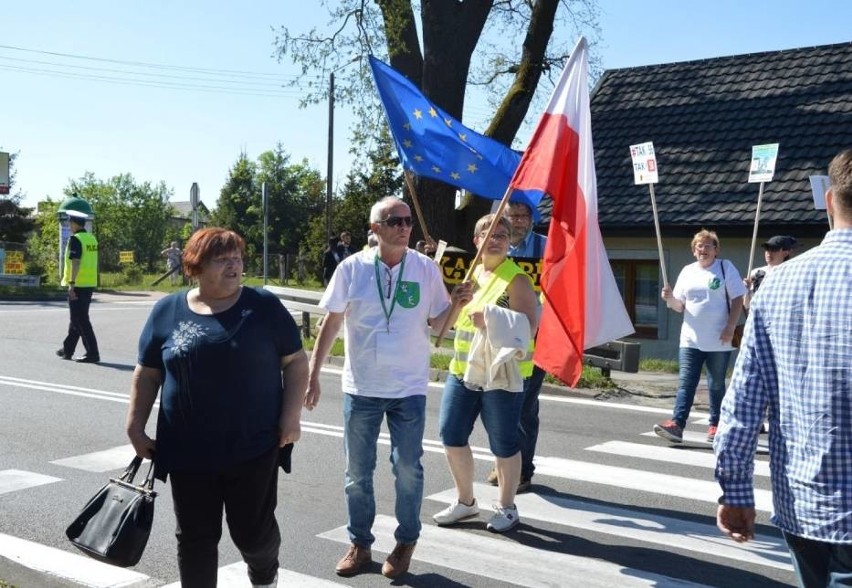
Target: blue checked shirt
(796, 359)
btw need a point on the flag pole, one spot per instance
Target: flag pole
(659, 237)
(754, 232)
(454, 309)
(410, 183)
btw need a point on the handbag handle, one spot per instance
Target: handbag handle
(724, 279)
(130, 473)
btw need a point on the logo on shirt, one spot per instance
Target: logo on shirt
(408, 294)
(714, 283)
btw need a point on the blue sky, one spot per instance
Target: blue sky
(65, 126)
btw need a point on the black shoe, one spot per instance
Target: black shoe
(61, 353)
(88, 359)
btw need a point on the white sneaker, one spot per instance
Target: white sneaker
(504, 518)
(456, 512)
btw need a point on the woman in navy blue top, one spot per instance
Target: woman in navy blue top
(229, 365)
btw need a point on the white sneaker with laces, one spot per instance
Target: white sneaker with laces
(456, 512)
(504, 518)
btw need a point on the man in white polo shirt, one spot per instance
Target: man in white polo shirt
(385, 297)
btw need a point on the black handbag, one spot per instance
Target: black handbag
(115, 524)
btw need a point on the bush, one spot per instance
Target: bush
(132, 274)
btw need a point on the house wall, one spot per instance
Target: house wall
(678, 254)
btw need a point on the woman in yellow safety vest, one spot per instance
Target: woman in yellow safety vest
(492, 355)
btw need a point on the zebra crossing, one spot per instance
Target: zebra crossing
(467, 548)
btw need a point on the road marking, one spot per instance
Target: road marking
(640, 526)
(682, 454)
(13, 480)
(100, 461)
(69, 566)
(509, 561)
(235, 575)
(644, 481)
(701, 439)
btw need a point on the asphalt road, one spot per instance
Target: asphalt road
(610, 504)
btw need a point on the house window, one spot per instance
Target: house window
(638, 282)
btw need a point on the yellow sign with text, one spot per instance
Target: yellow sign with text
(14, 263)
(125, 257)
(454, 266)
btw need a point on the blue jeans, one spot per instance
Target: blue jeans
(820, 564)
(691, 360)
(529, 421)
(500, 411)
(362, 420)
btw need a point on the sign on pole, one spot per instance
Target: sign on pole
(4, 173)
(193, 201)
(762, 163)
(645, 172)
(819, 186)
(762, 169)
(644, 163)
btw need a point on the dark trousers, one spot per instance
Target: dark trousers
(529, 421)
(80, 327)
(249, 493)
(819, 564)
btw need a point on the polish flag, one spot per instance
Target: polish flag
(582, 305)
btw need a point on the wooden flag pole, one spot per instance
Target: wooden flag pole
(454, 310)
(659, 237)
(410, 183)
(754, 232)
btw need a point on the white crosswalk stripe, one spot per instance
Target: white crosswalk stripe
(236, 576)
(13, 480)
(622, 522)
(100, 461)
(508, 561)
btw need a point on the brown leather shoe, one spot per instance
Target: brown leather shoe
(354, 561)
(492, 476)
(398, 561)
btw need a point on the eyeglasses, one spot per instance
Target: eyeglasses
(396, 221)
(495, 236)
(705, 246)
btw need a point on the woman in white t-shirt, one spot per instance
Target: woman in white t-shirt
(704, 291)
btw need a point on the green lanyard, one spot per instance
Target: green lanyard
(395, 291)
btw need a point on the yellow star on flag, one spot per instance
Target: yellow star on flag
(418, 114)
(433, 113)
(436, 169)
(472, 168)
(455, 175)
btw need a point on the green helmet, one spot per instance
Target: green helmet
(76, 207)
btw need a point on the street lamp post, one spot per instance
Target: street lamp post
(330, 171)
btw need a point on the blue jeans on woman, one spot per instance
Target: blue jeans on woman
(362, 421)
(691, 361)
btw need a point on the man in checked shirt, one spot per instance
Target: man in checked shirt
(796, 359)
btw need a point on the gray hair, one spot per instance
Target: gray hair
(377, 212)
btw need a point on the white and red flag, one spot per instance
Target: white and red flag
(582, 305)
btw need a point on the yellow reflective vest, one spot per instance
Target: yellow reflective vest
(87, 277)
(489, 292)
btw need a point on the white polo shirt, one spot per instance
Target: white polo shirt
(386, 357)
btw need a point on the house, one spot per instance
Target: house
(703, 118)
(182, 214)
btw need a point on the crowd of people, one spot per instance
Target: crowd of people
(223, 429)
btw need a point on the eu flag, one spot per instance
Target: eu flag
(433, 144)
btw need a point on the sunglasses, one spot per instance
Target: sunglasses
(396, 221)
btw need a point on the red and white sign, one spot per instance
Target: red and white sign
(644, 163)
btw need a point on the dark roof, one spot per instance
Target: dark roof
(703, 118)
(183, 209)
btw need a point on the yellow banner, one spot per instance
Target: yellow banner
(454, 266)
(125, 257)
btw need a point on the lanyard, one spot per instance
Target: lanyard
(395, 291)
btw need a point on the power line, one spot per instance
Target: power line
(147, 64)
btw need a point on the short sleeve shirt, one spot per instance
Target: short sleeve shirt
(386, 358)
(222, 390)
(702, 291)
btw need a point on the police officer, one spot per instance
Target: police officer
(80, 275)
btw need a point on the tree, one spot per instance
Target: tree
(128, 217)
(504, 44)
(295, 196)
(15, 221)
